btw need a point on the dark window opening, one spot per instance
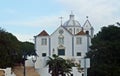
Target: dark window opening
(71, 74)
(43, 54)
(87, 32)
(44, 41)
(78, 53)
(82, 74)
(61, 51)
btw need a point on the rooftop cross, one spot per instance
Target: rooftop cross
(61, 18)
(87, 17)
(71, 12)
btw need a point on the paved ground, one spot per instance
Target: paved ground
(2, 73)
(29, 71)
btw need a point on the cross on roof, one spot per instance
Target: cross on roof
(87, 17)
(61, 18)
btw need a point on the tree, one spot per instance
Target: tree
(27, 47)
(11, 49)
(59, 66)
(8, 48)
(105, 51)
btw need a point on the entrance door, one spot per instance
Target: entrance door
(61, 52)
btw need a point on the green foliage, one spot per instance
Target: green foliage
(27, 47)
(8, 47)
(11, 49)
(105, 51)
(59, 66)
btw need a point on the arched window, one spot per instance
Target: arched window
(61, 52)
(78, 40)
(87, 32)
(70, 30)
(77, 30)
(44, 41)
(61, 39)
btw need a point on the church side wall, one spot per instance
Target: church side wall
(68, 45)
(40, 49)
(81, 48)
(54, 43)
(67, 42)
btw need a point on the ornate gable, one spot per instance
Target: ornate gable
(87, 24)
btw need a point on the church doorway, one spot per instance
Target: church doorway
(61, 52)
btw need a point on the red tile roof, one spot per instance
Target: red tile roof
(81, 33)
(43, 33)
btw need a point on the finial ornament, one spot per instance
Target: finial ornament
(61, 18)
(87, 17)
(82, 28)
(71, 12)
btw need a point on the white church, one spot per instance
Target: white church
(70, 41)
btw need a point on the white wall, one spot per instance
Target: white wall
(80, 47)
(67, 42)
(8, 72)
(29, 62)
(41, 61)
(43, 71)
(75, 72)
(41, 49)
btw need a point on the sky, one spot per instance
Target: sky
(27, 18)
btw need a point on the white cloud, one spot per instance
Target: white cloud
(24, 37)
(48, 23)
(100, 12)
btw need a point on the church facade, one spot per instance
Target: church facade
(70, 41)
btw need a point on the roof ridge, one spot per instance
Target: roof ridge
(81, 33)
(43, 33)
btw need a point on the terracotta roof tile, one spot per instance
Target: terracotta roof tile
(43, 33)
(81, 33)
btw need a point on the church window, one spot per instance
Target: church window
(78, 53)
(43, 54)
(61, 40)
(87, 32)
(61, 31)
(78, 40)
(70, 30)
(77, 30)
(44, 41)
(61, 51)
(71, 74)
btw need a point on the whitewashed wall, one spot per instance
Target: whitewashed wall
(67, 42)
(41, 49)
(29, 62)
(75, 72)
(43, 71)
(81, 47)
(8, 72)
